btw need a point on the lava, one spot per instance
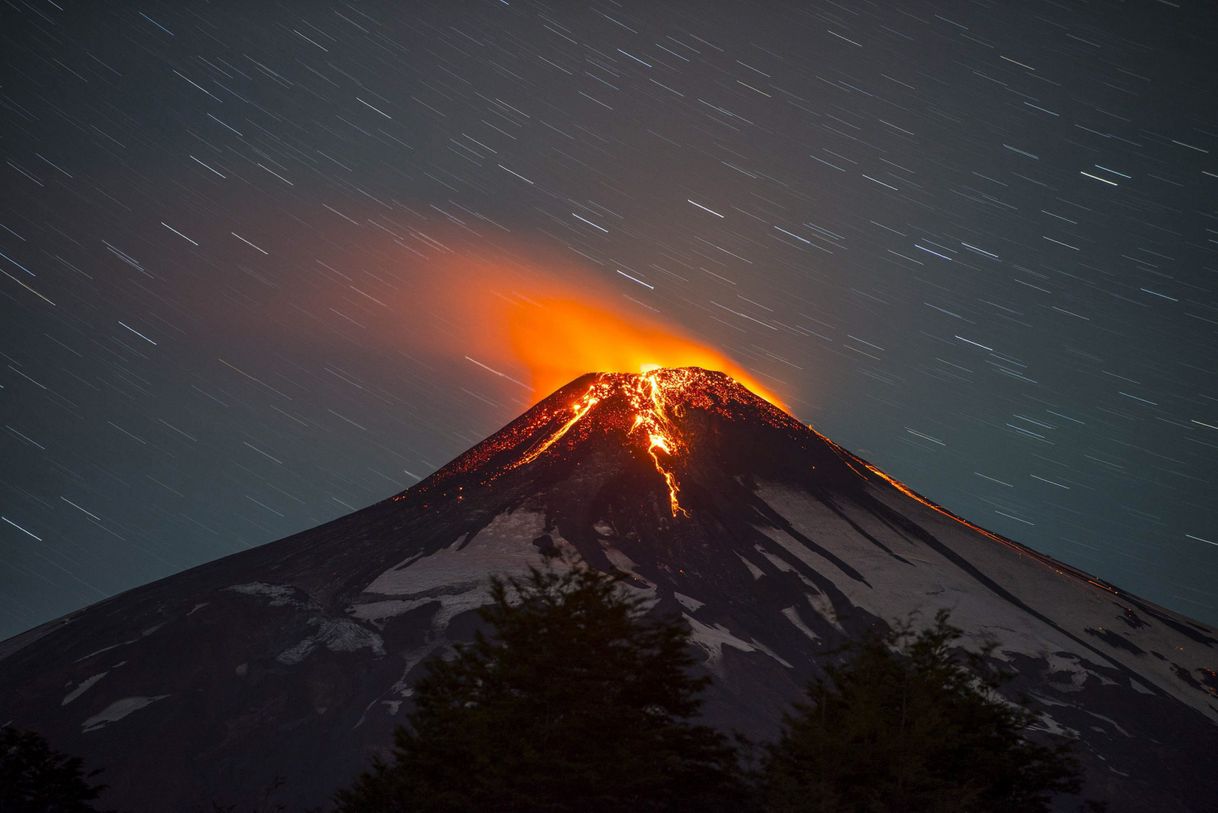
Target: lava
(653, 398)
(580, 408)
(645, 412)
(651, 416)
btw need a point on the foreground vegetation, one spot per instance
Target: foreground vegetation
(576, 699)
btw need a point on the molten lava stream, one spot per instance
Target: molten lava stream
(652, 416)
(647, 396)
(581, 408)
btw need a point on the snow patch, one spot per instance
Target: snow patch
(105, 649)
(277, 595)
(503, 548)
(336, 635)
(713, 639)
(1110, 722)
(1045, 722)
(992, 588)
(627, 564)
(1069, 676)
(823, 607)
(117, 711)
(792, 615)
(776, 561)
(457, 578)
(800, 551)
(756, 572)
(691, 604)
(380, 610)
(139, 637)
(83, 687)
(448, 602)
(766, 650)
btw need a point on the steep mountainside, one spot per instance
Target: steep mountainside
(296, 659)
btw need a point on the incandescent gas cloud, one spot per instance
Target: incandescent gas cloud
(542, 324)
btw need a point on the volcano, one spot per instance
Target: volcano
(296, 659)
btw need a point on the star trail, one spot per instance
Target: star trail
(975, 243)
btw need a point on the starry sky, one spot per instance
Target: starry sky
(973, 242)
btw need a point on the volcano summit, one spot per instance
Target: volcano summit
(296, 659)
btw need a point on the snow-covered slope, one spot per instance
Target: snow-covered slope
(296, 659)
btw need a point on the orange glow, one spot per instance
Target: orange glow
(543, 321)
(538, 322)
(558, 338)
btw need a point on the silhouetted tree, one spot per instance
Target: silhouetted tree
(576, 700)
(36, 779)
(909, 723)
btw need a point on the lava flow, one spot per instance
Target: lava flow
(651, 416)
(580, 408)
(652, 399)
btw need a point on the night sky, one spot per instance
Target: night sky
(973, 242)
